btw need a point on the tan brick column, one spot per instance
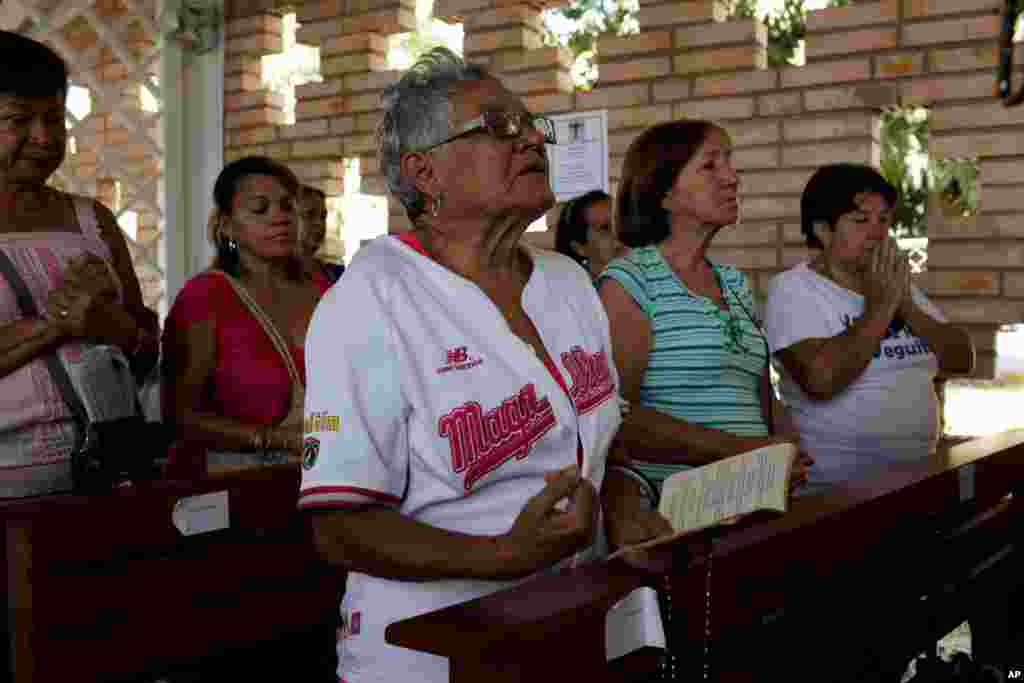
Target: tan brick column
(251, 112)
(337, 119)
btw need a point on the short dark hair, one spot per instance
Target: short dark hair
(311, 189)
(30, 69)
(652, 164)
(226, 186)
(224, 191)
(572, 224)
(831, 191)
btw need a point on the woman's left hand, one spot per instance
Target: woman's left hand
(637, 526)
(640, 526)
(800, 472)
(630, 520)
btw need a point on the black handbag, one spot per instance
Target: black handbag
(108, 452)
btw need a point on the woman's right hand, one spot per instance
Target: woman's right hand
(799, 474)
(544, 534)
(887, 279)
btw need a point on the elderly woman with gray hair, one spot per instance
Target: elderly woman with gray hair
(456, 438)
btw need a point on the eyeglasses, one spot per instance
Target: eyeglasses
(503, 125)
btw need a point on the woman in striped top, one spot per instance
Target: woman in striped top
(691, 355)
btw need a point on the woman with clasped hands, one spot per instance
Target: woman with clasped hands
(859, 345)
(72, 257)
(456, 437)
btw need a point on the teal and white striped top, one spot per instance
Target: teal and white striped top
(705, 365)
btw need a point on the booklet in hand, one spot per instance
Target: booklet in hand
(701, 497)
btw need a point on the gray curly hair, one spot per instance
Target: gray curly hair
(417, 110)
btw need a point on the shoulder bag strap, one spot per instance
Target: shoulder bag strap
(58, 372)
(279, 342)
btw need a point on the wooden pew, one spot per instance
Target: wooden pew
(866, 574)
(105, 588)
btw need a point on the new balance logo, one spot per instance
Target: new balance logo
(458, 358)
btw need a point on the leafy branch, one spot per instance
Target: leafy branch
(786, 27)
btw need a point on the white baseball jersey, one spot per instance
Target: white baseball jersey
(420, 397)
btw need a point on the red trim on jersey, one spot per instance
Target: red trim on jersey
(553, 369)
(332, 505)
(410, 239)
(366, 493)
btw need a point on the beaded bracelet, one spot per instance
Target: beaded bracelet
(259, 439)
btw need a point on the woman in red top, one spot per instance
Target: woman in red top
(233, 369)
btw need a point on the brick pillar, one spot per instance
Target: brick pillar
(251, 112)
(496, 29)
(645, 79)
(337, 119)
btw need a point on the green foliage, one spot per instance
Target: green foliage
(956, 180)
(904, 135)
(904, 138)
(425, 38)
(593, 17)
(577, 26)
(786, 28)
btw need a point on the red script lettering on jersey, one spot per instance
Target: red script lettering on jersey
(482, 442)
(591, 378)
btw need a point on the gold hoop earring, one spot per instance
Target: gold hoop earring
(435, 204)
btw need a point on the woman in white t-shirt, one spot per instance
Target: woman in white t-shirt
(859, 346)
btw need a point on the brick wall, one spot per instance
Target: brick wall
(687, 62)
